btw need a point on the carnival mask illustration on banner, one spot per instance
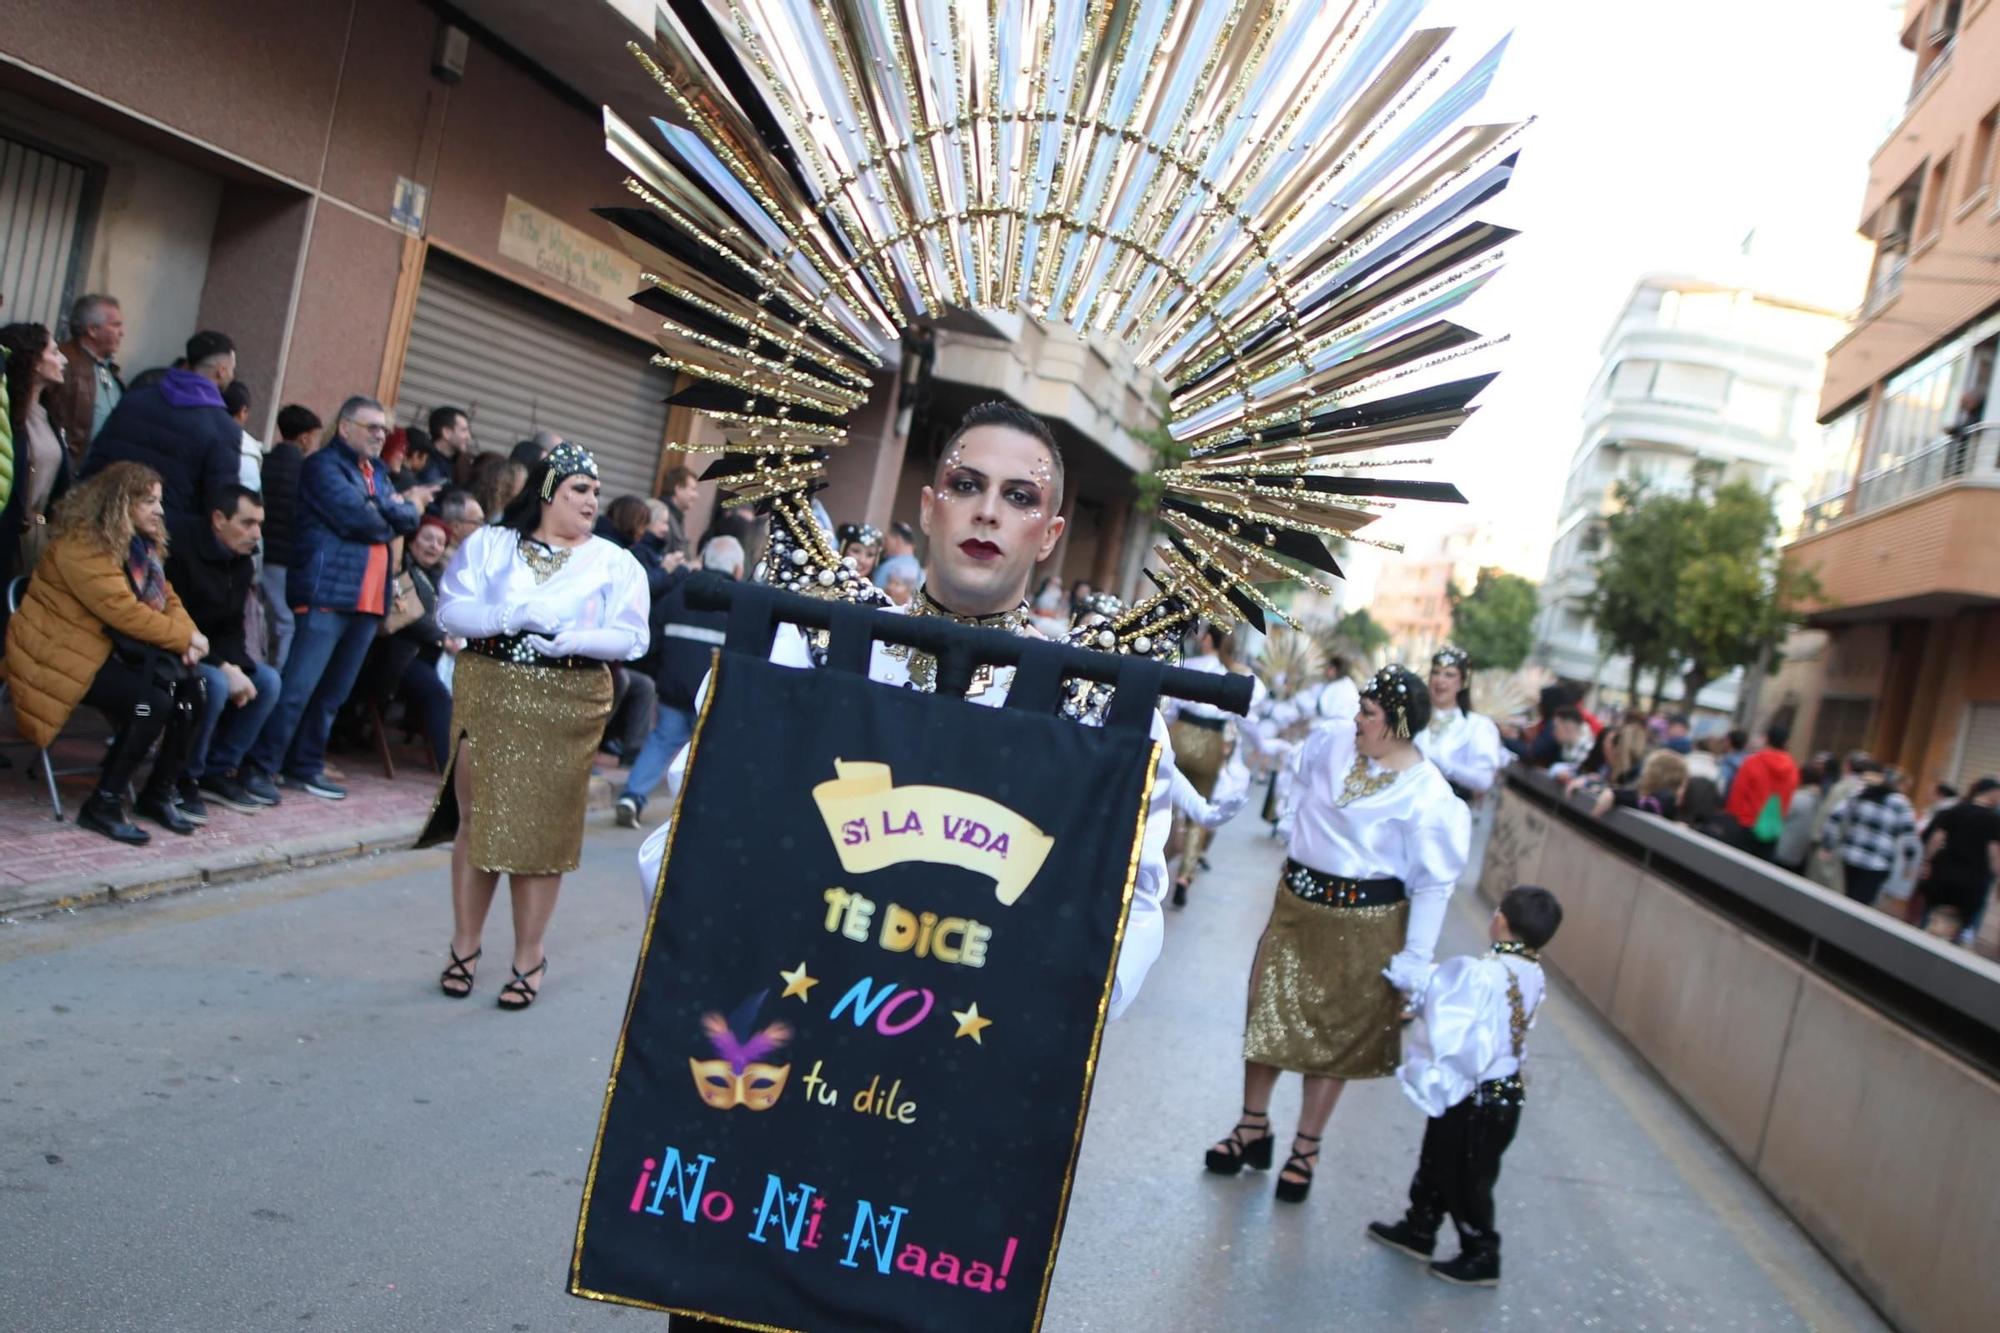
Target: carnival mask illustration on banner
(738, 1077)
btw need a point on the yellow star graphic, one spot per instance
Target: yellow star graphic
(970, 1024)
(797, 982)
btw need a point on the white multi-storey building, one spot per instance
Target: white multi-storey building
(1693, 371)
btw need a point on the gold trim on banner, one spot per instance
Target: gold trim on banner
(1097, 1036)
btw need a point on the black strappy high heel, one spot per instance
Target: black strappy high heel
(1234, 1153)
(518, 994)
(1299, 1163)
(458, 973)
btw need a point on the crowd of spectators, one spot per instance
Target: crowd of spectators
(233, 608)
(1847, 823)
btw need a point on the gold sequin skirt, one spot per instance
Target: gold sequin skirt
(530, 733)
(1319, 1003)
(1199, 753)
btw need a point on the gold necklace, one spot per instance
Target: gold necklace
(923, 666)
(542, 559)
(1361, 783)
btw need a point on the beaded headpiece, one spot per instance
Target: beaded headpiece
(1451, 655)
(566, 460)
(1395, 688)
(867, 534)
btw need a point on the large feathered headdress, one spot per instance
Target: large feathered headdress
(1273, 202)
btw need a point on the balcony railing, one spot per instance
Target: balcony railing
(1888, 282)
(1971, 455)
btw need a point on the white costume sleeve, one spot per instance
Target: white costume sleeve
(1475, 764)
(1455, 1042)
(1145, 925)
(463, 606)
(1436, 853)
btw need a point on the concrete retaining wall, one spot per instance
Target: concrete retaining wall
(1883, 1146)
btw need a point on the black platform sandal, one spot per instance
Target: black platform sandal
(1299, 1163)
(1234, 1153)
(457, 973)
(518, 994)
(1181, 886)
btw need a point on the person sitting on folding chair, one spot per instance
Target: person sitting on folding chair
(100, 625)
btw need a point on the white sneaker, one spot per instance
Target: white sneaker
(627, 812)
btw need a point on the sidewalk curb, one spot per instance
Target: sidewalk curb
(238, 865)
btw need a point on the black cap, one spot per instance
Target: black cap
(1984, 785)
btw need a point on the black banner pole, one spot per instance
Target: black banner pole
(1229, 691)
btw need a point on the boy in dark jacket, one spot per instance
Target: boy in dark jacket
(338, 590)
(298, 436)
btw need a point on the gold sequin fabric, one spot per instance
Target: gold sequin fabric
(1199, 753)
(1319, 1003)
(530, 734)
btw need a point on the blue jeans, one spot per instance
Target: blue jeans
(222, 751)
(282, 626)
(670, 732)
(328, 648)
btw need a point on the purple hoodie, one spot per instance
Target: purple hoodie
(184, 388)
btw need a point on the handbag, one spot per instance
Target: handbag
(405, 607)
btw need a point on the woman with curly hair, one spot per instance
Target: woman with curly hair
(101, 626)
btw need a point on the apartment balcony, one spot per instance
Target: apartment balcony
(1921, 538)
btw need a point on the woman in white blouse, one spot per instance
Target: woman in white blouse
(543, 606)
(1463, 744)
(1378, 840)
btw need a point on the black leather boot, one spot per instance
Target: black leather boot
(103, 814)
(1414, 1236)
(1478, 1261)
(158, 804)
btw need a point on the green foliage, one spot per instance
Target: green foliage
(1167, 453)
(1361, 629)
(1495, 622)
(1693, 582)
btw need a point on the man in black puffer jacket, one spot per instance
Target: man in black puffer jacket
(179, 428)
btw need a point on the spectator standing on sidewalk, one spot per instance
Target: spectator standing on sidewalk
(684, 641)
(1736, 743)
(102, 626)
(35, 370)
(1963, 847)
(1824, 867)
(899, 542)
(93, 387)
(338, 591)
(681, 491)
(1760, 794)
(236, 400)
(212, 568)
(298, 436)
(1872, 831)
(179, 427)
(452, 449)
(460, 512)
(1795, 843)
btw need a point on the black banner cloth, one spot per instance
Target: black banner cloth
(850, 1086)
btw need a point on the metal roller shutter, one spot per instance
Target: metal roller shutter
(41, 232)
(518, 363)
(1979, 755)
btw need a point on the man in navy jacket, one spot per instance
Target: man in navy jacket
(339, 589)
(179, 428)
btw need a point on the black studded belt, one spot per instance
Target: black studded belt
(1316, 886)
(515, 650)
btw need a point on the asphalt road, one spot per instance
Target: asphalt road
(249, 1108)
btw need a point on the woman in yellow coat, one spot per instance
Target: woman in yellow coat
(101, 626)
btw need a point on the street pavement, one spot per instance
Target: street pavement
(248, 1107)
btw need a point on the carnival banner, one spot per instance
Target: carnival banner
(851, 1083)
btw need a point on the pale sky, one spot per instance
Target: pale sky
(1664, 133)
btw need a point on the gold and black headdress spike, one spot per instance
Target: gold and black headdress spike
(1275, 203)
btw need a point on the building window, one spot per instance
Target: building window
(1893, 223)
(1632, 379)
(1979, 159)
(1934, 196)
(45, 214)
(1690, 385)
(1920, 404)
(1933, 37)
